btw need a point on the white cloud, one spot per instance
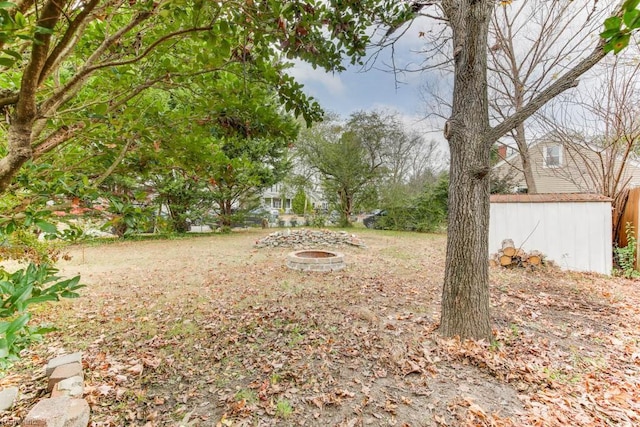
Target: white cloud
(318, 79)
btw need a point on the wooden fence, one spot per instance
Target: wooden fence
(626, 209)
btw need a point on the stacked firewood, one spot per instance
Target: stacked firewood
(509, 257)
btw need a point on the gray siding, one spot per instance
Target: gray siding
(581, 170)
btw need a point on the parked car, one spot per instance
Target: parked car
(372, 220)
(334, 217)
(256, 216)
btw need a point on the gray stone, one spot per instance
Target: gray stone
(72, 387)
(7, 397)
(63, 372)
(304, 238)
(50, 412)
(63, 360)
(78, 413)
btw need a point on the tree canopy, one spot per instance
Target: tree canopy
(60, 57)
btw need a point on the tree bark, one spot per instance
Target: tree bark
(523, 149)
(19, 133)
(465, 295)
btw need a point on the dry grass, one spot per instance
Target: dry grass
(210, 331)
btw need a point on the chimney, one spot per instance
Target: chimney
(502, 151)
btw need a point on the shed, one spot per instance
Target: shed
(573, 230)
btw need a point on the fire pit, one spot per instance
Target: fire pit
(315, 260)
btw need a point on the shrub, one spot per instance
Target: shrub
(432, 206)
(126, 217)
(299, 202)
(426, 213)
(626, 256)
(34, 285)
(317, 220)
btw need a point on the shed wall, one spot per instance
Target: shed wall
(575, 235)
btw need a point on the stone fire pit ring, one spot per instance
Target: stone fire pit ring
(315, 260)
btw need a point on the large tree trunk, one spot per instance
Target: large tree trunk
(24, 115)
(346, 202)
(465, 295)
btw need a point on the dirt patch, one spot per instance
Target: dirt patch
(227, 335)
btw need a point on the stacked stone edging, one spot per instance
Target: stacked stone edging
(333, 262)
(306, 238)
(65, 407)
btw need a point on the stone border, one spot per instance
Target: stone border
(333, 262)
(65, 407)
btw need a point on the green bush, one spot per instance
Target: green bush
(317, 220)
(426, 213)
(298, 204)
(19, 237)
(126, 217)
(432, 206)
(34, 285)
(626, 256)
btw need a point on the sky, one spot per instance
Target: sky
(354, 90)
(376, 88)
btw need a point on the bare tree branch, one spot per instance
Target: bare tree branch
(566, 81)
(70, 38)
(113, 165)
(58, 137)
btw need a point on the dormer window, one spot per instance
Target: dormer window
(553, 156)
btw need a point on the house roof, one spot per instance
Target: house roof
(549, 198)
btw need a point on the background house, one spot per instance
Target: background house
(280, 196)
(562, 167)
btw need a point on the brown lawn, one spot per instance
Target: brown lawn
(209, 331)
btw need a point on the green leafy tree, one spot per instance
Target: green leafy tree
(201, 152)
(299, 202)
(54, 52)
(343, 161)
(185, 197)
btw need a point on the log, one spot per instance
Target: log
(508, 247)
(505, 260)
(493, 263)
(535, 258)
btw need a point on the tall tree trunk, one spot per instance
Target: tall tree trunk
(523, 149)
(24, 115)
(465, 295)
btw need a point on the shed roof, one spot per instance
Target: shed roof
(549, 198)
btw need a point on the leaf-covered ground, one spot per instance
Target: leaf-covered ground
(209, 331)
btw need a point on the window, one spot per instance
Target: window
(277, 203)
(552, 156)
